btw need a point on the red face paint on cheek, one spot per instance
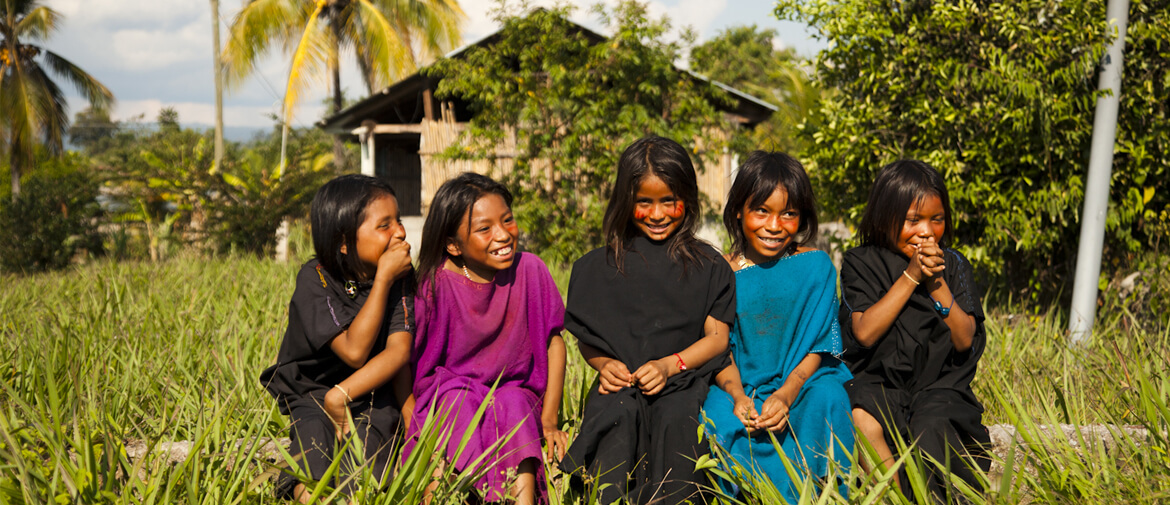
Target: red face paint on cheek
(678, 210)
(512, 228)
(641, 214)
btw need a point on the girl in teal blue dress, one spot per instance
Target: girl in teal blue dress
(785, 378)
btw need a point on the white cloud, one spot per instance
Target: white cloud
(142, 12)
(156, 49)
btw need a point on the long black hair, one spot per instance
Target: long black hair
(666, 159)
(337, 211)
(451, 207)
(898, 186)
(755, 182)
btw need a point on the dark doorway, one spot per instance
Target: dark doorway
(399, 164)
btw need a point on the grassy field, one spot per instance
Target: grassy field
(110, 352)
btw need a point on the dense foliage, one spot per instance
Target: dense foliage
(573, 103)
(746, 58)
(999, 96)
(55, 217)
(163, 179)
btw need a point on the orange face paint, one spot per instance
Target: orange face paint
(640, 213)
(678, 210)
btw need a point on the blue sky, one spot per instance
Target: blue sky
(157, 53)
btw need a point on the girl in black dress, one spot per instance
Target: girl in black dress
(912, 325)
(651, 312)
(348, 332)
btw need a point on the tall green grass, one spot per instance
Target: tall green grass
(108, 353)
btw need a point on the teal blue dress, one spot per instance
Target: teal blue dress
(787, 309)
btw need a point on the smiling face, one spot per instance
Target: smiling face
(381, 227)
(924, 219)
(487, 241)
(658, 212)
(770, 227)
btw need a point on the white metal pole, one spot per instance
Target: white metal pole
(1084, 300)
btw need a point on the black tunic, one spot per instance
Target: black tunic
(306, 368)
(652, 310)
(913, 380)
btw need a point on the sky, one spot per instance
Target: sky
(157, 53)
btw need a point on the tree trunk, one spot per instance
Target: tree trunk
(218, 87)
(14, 168)
(335, 75)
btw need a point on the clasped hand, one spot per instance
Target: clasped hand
(927, 262)
(650, 377)
(774, 415)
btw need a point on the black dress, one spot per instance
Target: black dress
(306, 368)
(913, 380)
(645, 446)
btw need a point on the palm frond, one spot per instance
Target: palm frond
(382, 52)
(257, 27)
(19, 99)
(13, 9)
(52, 108)
(437, 23)
(99, 96)
(309, 59)
(38, 24)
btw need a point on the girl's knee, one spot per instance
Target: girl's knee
(868, 425)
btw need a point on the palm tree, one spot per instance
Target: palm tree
(382, 34)
(218, 73)
(35, 110)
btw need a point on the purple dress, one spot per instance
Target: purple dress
(467, 336)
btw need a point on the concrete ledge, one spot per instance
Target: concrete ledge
(1003, 438)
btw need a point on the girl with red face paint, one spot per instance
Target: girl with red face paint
(912, 325)
(487, 314)
(786, 376)
(651, 312)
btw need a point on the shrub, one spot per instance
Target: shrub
(55, 216)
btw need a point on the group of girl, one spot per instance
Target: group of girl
(753, 345)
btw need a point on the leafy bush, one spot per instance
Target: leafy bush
(54, 217)
(254, 196)
(1000, 97)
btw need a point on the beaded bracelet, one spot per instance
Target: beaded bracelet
(938, 307)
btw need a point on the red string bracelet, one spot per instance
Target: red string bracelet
(681, 366)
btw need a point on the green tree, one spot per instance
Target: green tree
(382, 34)
(35, 109)
(999, 96)
(745, 58)
(572, 105)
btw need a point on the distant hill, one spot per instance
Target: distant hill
(230, 133)
(234, 133)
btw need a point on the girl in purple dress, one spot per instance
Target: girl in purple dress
(485, 312)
